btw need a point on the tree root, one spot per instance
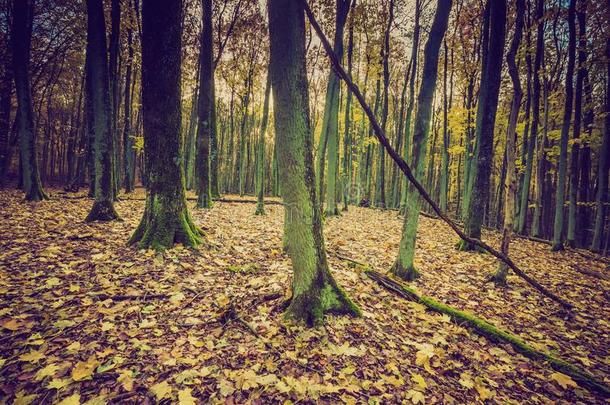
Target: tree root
(488, 330)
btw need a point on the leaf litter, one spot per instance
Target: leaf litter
(86, 319)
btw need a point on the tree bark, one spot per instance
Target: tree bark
(23, 15)
(558, 226)
(166, 219)
(314, 290)
(404, 264)
(486, 116)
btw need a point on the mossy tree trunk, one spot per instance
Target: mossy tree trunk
(166, 219)
(329, 137)
(314, 290)
(21, 36)
(444, 175)
(347, 136)
(486, 117)
(407, 146)
(98, 92)
(403, 266)
(206, 101)
(380, 194)
(260, 153)
(602, 171)
(510, 184)
(128, 139)
(575, 230)
(531, 144)
(565, 133)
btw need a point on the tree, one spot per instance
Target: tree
(206, 99)
(260, 154)
(602, 169)
(486, 117)
(385, 55)
(510, 185)
(101, 119)
(575, 231)
(407, 142)
(128, 143)
(565, 132)
(314, 290)
(330, 122)
(403, 266)
(166, 219)
(529, 160)
(21, 36)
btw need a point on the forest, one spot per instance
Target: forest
(304, 201)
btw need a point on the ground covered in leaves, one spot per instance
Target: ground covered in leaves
(86, 319)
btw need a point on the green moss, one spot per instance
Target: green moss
(464, 246)
(409, 273)
(490, 331)
(102, 211)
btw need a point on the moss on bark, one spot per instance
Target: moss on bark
(102, 211)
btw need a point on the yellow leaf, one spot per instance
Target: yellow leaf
(48, 371)
(107, 326)
(84, 369)
(419, 381)
(12, 324)
(226, 387)
(185, 397)
(58, 383)
(52, 282)
(564, 380)
(176, 298)
(125, 378)
(161, 390)
(33, 356)
(73, 347)
(71, 400)
(416, 397)
(423, 356)
(466, 380)
(99, 400)
(22, 399)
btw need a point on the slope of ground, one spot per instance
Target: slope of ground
(84, 318)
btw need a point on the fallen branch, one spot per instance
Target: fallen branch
(486, 329)
(404, 167)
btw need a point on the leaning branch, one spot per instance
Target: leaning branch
(404, 167)
(490, 331)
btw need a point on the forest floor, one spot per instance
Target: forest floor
(83, 317)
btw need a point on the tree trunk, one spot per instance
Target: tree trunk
(575, 229)
(347, 137)
(486, 116)
(166, 219)
(510, 185)
(444, 177)
(98, 94)
(260, 156)
(407, 147)
(565, 132)
(403, 266)
(206, 99)
(329, 137)
(314, 290)
(602, 171)
(128, 139)
(113, 69)
(385, 55)
(23, 15)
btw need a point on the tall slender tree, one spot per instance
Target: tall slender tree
(510, 184)
(314, 290)
(533, 135)
(404, 265)
(166, 219)
(98, 92)
(486, 117)
(21, 37)
(558, 226)
(206, 99)
(260, 153)
(329, 137)
(602, 169)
